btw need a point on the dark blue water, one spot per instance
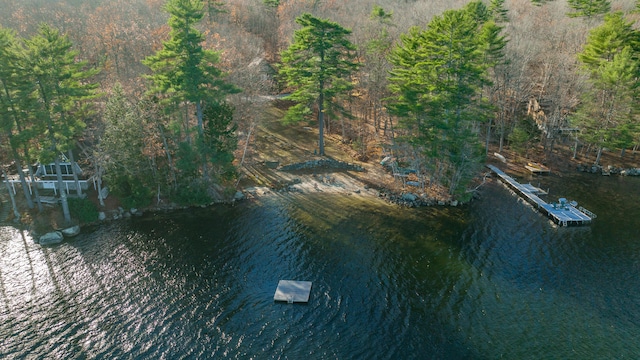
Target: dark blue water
(489, 280)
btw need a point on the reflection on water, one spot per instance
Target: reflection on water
(492, 279)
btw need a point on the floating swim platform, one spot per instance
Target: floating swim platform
(292, 291)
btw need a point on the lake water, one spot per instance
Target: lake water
(493, 279)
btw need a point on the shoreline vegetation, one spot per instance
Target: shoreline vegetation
(289, 166)
(172, 104)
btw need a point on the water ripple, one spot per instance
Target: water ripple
(388, 283)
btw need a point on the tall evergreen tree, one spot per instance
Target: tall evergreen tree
(184, 73)
(14, 88)
(183, 65)
(588, 8)
(436, 80)
(610, 59)
(608, 39)
(318, 66)
(62, 88)
(219, 139)
(606, 114)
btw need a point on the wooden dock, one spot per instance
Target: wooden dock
(563, 213)
(536, 168)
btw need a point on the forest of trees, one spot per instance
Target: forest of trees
(157, 95)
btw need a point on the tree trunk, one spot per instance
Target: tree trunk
(374, 118)
(246, 143)
(321, 123)
(27, 194)
(54, 147)
(598, 156)
(486, 150)
(99, 180)
(16, 213)
(23, 182)
(344, 132)
(32, 177)
(187, 131)
(200, 115)
(169, 158)
(75, 176)
(391, 128)
(97, 171)
(63, 192)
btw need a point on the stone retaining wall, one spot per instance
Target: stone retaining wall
(608, 170)
(322, 164)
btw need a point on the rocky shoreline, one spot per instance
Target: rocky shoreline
(322, 164)
(608, 170)
(332, 176)
(412, 200)
(320, 175)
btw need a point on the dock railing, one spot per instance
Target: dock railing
(563, 213)
(591, 214)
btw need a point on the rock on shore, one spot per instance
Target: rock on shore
(608, 170)
(51, 238)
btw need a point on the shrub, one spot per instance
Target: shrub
(83, 210)
(192, 194)
(131, 192)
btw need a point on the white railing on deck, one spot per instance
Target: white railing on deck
(53, 184)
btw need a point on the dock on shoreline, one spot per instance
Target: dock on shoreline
(563, 213)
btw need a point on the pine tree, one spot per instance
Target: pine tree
(184, 73)
(436, 80)
(610, 58)
(588, 8)
(606, 115)
(498, 11)
(607, 40)
(219, 139)
(62, 88)
(318, 65)
(183, 70)
(14, 88)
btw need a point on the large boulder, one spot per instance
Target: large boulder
(135, 211)
(409, 197)
(71, 231)
(50, 238)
